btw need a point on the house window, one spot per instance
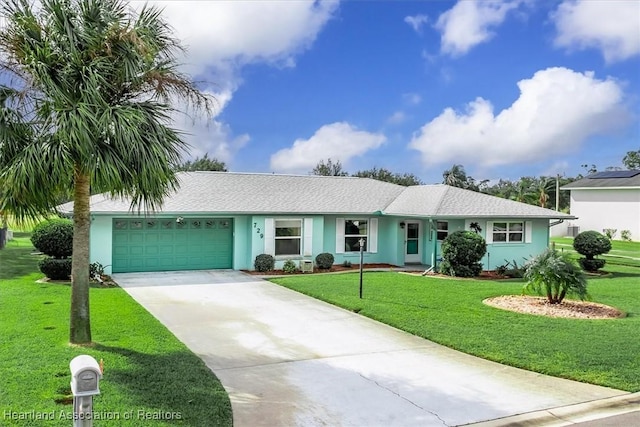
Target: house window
(288, 236)
(508, 232)
(443, 229)
(354, 230)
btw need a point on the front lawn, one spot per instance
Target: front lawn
(150, 377)
(621, 253)
(450, 311)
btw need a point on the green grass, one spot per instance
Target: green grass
(451, 312)
(621, 253)
(148, 372)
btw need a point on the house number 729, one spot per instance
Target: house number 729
(255, 225)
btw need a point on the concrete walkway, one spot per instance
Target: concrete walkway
(290, 360)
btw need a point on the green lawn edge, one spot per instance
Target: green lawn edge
(451, 312)
(150, 377)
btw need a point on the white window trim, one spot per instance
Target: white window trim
(306, 237)
(372, 234)
(526, 232)
(298, 237)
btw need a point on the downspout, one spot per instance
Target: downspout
(434, 237)
(552, 224)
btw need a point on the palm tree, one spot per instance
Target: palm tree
(457, 177)
(543, 187)
(91, 88)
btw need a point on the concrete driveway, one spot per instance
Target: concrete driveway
(290, 360)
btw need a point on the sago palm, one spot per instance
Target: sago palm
(86, 93)
(555, 275)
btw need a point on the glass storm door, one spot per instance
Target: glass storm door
(412, 242)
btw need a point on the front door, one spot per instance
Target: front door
(412, 253)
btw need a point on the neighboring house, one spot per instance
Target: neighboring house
(607, 200)
(224, 220)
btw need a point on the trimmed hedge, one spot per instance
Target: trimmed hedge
(56, 269)
(324, 261)
(54, 237)
(591, 243)
(264, 263)
(461, 253)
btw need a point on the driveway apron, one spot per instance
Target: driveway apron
(290, 360)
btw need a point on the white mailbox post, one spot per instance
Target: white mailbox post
(85, 379)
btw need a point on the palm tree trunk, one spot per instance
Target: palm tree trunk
(80, 325)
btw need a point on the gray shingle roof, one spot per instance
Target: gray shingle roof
(236, 193)
(443, 201)
(633, 182)
(227, 192)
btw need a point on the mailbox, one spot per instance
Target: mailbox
(85, 376)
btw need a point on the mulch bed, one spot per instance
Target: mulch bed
(567, 308)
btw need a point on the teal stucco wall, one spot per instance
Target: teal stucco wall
(249, 240)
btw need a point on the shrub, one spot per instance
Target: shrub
(289, 266)
(96, 270)
(56, 269)
(590, 244)
(324, 261)
(555, 275)
(264, 262)
(592, 264)
(461, 253)
(346, 264)
(610, 232)
(54, 237)
(625, 235)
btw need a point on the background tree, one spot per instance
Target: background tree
(631, 160)
(203, 163)
(382, 174)
(93, 84)
(329, 168)
(457, 177)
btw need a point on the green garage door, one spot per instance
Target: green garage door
(170, 244)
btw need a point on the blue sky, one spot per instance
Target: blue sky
(507, 88)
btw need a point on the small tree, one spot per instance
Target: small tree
(461, 253)
(555, 275)
(591, 244)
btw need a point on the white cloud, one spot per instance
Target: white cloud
(559, 167)
(223, 36)
(470, 22)
(556, 111)
(611, 26)
(397, 118)
(412, 98)
(338, 141)
(417, 22)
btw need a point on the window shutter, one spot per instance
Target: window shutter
(339, 235)
(489, 232)
(372, 244)
(308, 237)
(269, 236)
(528, 231)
